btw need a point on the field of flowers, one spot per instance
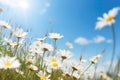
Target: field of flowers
(23, 59)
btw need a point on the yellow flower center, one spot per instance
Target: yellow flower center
(109, 18)
(54, 64)
(7, 64)
(42, 77)
(32, 69)
(53, 59)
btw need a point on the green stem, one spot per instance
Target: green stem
(54, 47)
(114, 47)
(42, 59)
(85, 70)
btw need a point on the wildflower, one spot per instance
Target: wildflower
(47, 47)
(67, 71)
(5, 24)
(64, 54)
(95, 59)
(108, 19)
(76, 75)
(11, 43)
(19, 71)
(41, 39)
(37, 43)
(53, 59)
(19, 33)
(35, 50)
(69, 45)
(53, 62)
(55, 36)
(75, 65)
(7, 62)
(33, 67)
(43, 75)
(105, 76)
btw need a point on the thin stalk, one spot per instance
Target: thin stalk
(54, 51)
(94, 77)
(42, 59)
(85, 70)
(114, 47)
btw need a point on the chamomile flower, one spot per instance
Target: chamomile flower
(43, 75)
(53, 62)
(55, 36)
(7, 62)
(64, 54)
(74, 64)
(94, 59)
(5, 24)
(33, 67)
(41, 39)
(35, 50)
(108, 18)
(19, 33)
(47, 47)
(76, 75)
(10, 42)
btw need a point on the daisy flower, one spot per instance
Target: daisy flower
(55, 36)
(108, 18)
(64, 54)
(35, 49)
(33, 67)
(53, 62)
(43, 75)
(19, 33)
(94, 59)
(7, 62)
(10, 42)
(5, 24)
(42, 39)
(47, 47)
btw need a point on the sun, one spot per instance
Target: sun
(24, 4)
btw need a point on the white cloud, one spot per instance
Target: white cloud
(82, 41)
(98, 39)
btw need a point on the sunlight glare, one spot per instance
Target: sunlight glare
(24, 4)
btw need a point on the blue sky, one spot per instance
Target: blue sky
(71, 18)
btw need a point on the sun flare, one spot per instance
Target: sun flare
(23, 5)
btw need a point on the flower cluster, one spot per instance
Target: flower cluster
(41, 60)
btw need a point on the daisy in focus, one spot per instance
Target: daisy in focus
(7, 62)
(108, 18)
